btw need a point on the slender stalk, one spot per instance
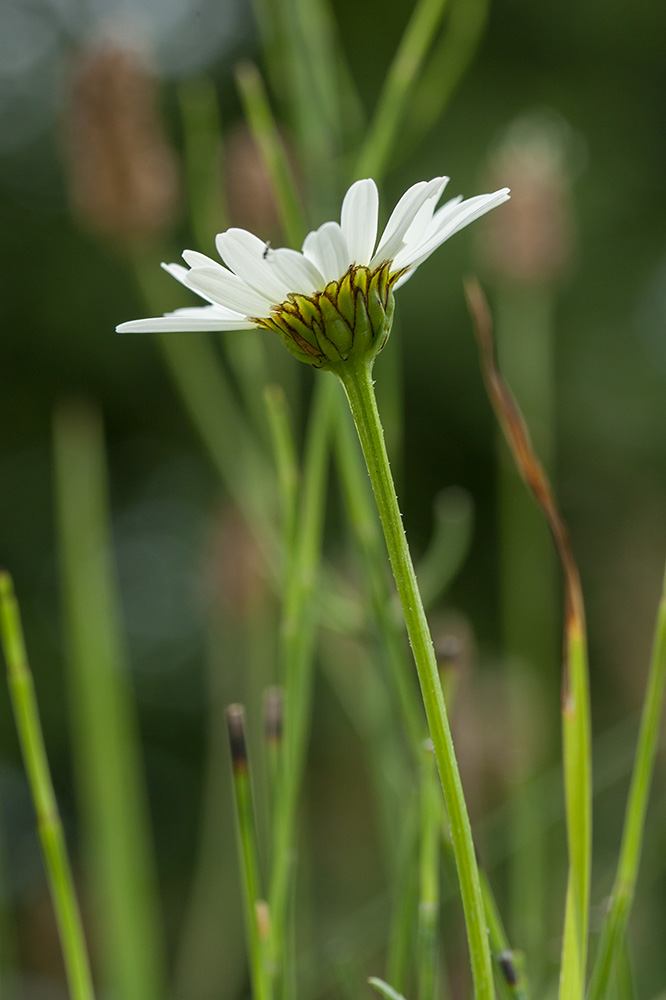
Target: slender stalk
(368, 539)
(306, 39)
(528, 588)
(200, 967)
(404, 906)
(431, 817)
(202, 155)
(449, 60)
(622, 896)
(400, 79)
(510, 986)
(576, 724)
(256, 917)
(284, 450)
(576, 751)
(357, 381)
(49, 825)
(298, 641)
(268, 139)
(9, 985)
(110, 766)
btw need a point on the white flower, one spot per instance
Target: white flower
(266, 287)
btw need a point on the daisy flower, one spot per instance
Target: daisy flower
(334, 299)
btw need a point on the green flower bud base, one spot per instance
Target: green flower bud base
(350, 319)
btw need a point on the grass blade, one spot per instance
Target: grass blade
(256, 914)
(622, 895)
(49, 825)
(576, 727)
(399, 83)
(268, 139)
(111, 781)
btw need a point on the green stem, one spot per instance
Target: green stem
(111, 782)
(268, 139)
(406, 65)
(284, 450)
(431, 816)
(368, 539)
(509, 979)
(298, 641)
(577, 758)
(622, 895)
(255, 909)
(49, 825)
(202, 159)
(357, 381)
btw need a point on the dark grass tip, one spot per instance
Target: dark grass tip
(450, 650)
(506, 964)
(237, 744)
(273, 714)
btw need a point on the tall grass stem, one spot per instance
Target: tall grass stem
(622, 895)
(49, 825)
(298, 644)
(398, 86)
(271, 146)
(256, 914)
(111, 781)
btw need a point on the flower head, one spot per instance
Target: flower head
(334, 299)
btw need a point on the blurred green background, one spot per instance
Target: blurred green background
(595, 74)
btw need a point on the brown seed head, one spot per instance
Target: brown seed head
(530, 242)
(250, 192)
(122, 173)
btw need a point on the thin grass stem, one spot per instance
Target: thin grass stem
(510, 982)
(405, 903)
(622, 895)
(430, 825)
(576, 724)
(267, 136)
(202, 152)
(306, 35)
(110, 767)
(445, 67)
(284, 449)
(398, 85)
(49, 825)
(256, 912)
(298, 643)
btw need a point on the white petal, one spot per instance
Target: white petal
(424, 221)
(226, 289)
(188, 321)
(466, 212)
(177, 271)
(406, 214)
(358, 220)
(194, 312)
(328, 251)
(196, 259)
(182, 274)
(244, 253)
(415, 240)
(299, 273)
